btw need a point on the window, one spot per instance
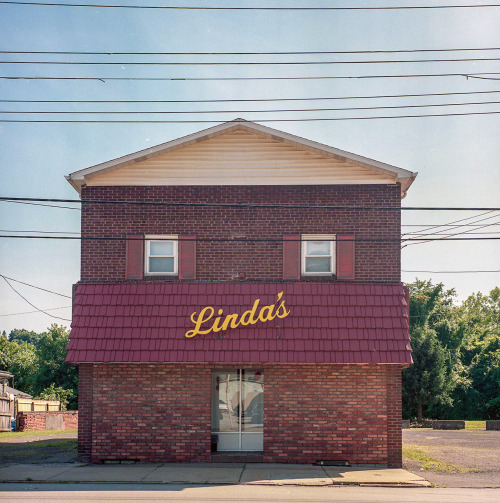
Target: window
(161, 255)
(318, 255)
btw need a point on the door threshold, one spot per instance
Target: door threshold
(237, 457)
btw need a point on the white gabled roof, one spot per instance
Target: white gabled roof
(241, 153)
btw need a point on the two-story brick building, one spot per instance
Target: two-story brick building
(240, 298)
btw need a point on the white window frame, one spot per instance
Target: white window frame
(331, 238)
(147, 254)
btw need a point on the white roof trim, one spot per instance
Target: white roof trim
(403, 176)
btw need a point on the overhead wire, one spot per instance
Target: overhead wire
(316, 119)
(79, 234)
(277, 110)
(452, 272)
(433, 235)
(31, 304)
(409, 233)
(436, 225)
(471, 232)
(34, 286)
(260, 53)
(209, 79)
(244, 63)
(41, 204)
(40, 232)
(239, 240)
(254, 100)
(233, 8)
(477, 76)
(450, 236)
(32, 312)
(456, 221)
(476, 224)
(248, 205)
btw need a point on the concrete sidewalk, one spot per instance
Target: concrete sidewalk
(212, 473)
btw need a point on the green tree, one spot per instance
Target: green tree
(20, 360)
(427, 381)
(478, 354)
(57, 393)
(51, 368)
(430, 380)
(41, 370)
(485, 376)
(22, 335)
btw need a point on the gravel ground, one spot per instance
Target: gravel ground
(474, 454)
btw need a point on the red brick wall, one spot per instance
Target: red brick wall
(151, 412)
(394, 417)
(28, 420)
(85, 405)
(259, 261)
(162, 413)
(326, 412)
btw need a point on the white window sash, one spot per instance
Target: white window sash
(330, 238)
(175, 256)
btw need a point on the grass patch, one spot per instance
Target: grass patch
(475, 425)
(415, 453)
(36, 433)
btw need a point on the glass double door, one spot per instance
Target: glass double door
(238, 410)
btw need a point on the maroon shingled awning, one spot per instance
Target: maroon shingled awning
(328, 323)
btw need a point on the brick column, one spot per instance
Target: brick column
(85, 406)
(394, 430)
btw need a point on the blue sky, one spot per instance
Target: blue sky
(457, 157)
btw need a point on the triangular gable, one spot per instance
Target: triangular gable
(241, 153)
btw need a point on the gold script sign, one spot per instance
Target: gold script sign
(250, 317)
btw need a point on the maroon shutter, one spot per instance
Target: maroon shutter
(187, 257)
(345, 257)
(291, 257)
(135, 253)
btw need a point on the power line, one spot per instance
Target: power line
(482, 78)
(448, 236)
(453, 272)
(36, 287)
(150, 112)
(40, 204)
(241, 240)
(459, 233)
(256, 99)
(192, 79)
(195, 8)
(32, 312)
(456, 221)
(244, 63)
(276, 53)
(475, 224)
(434, 225)
(407, 234)
(250, 205)
(316, 119)
(40, 232)
(31, 304)
(468, 232)
(79, 234)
